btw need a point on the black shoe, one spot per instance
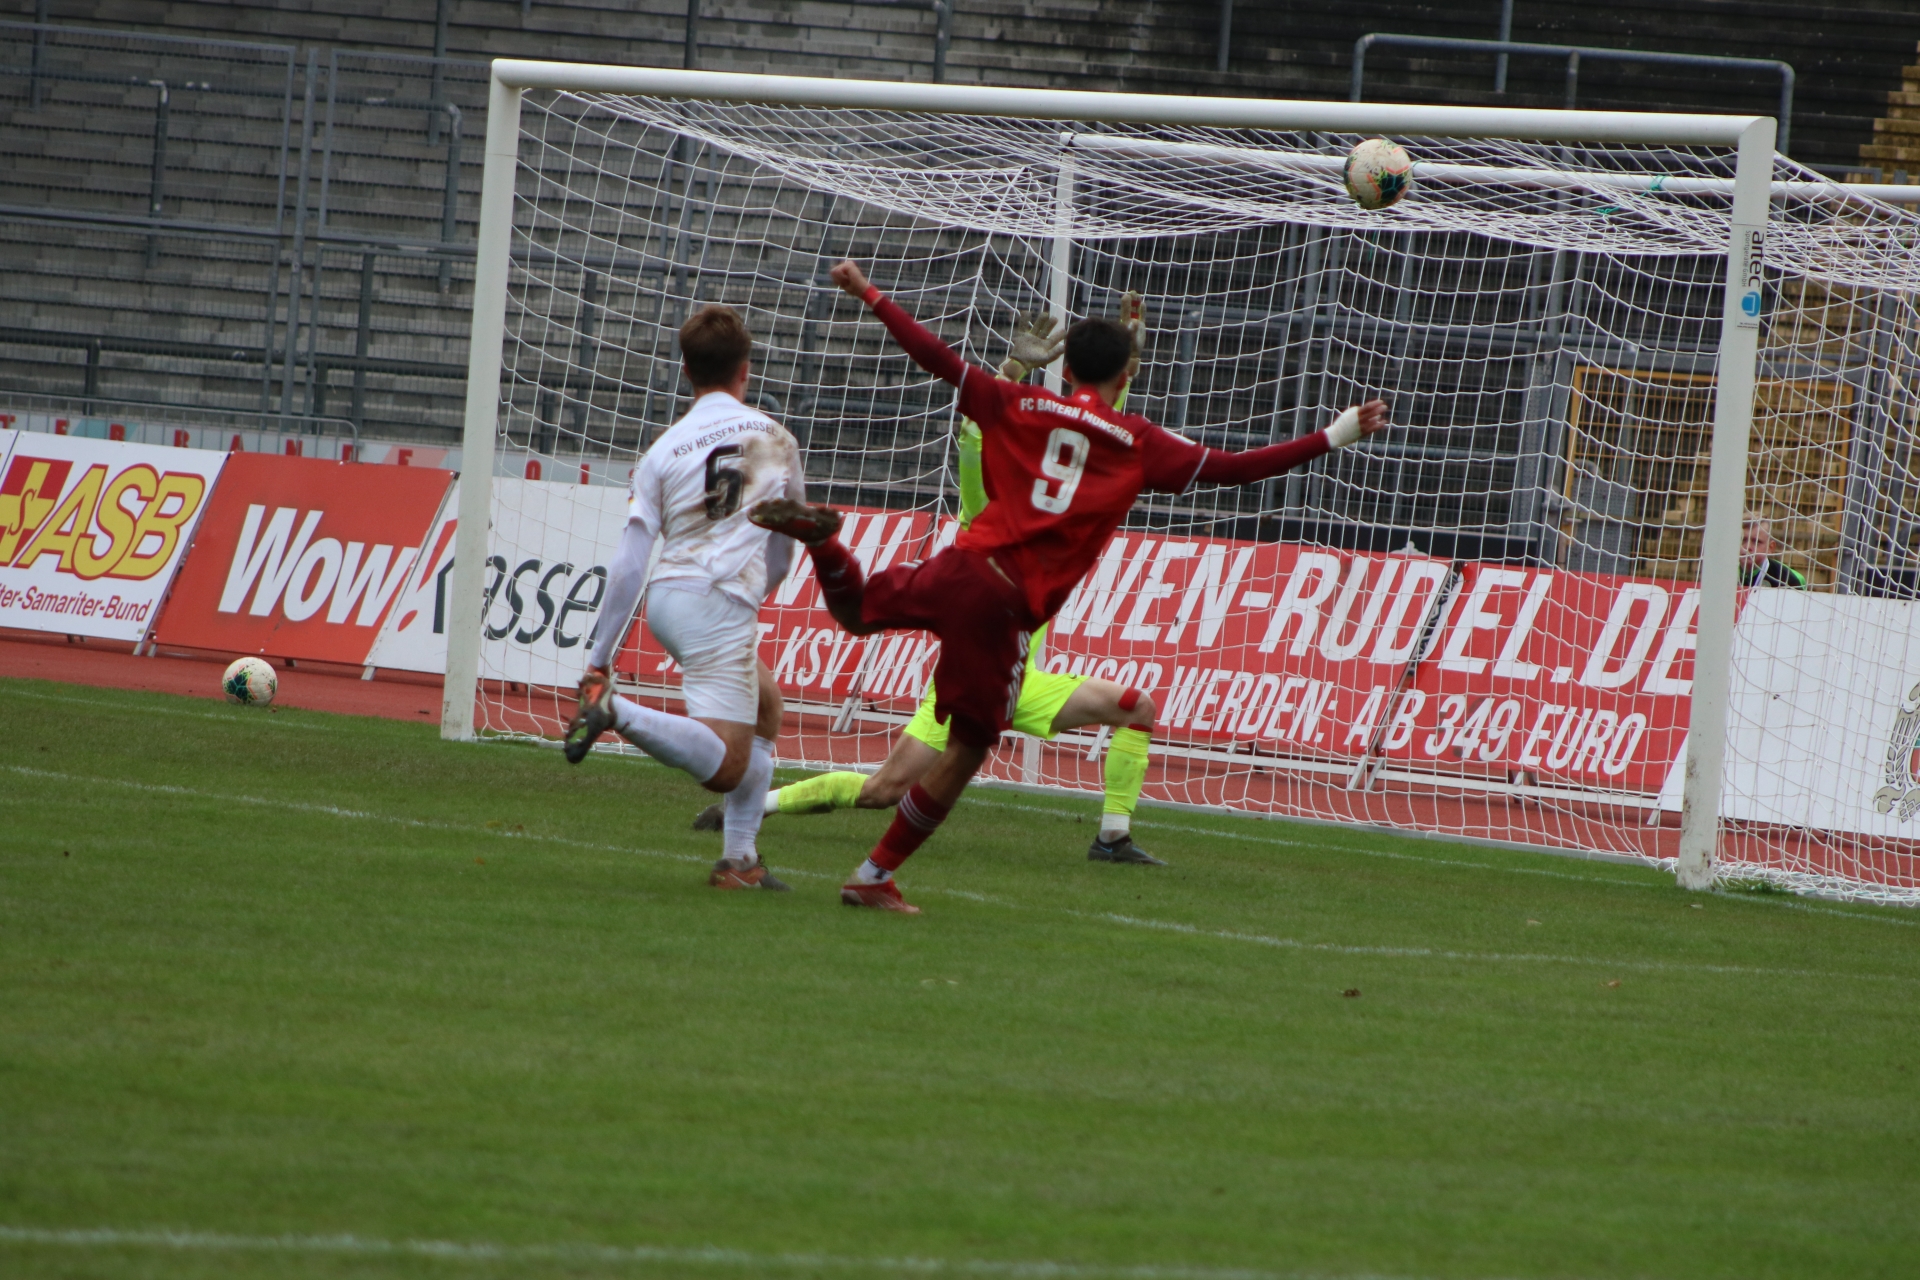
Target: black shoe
(711, 818)
(729, 875)
(1121, 850)
(594, 717)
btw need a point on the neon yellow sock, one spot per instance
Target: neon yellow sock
(1126, 773)
(822, 793)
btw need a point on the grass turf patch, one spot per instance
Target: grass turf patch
(283, 978)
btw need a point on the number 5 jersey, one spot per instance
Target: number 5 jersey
(694, 488)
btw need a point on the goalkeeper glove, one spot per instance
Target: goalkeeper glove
(1032, 346)
(1133, 317)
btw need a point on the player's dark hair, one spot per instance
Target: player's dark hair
(714, 342)
(1097, 349)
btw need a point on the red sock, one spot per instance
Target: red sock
(918, 816)
(841, 581)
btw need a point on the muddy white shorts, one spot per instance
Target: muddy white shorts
(716, 641)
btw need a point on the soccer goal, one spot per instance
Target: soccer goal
(1633, 573)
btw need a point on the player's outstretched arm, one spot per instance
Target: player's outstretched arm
(1352, 426)
(927, 351)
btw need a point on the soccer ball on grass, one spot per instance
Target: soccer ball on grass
(250, 681)
(1378, 173)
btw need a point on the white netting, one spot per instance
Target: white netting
(1480, 623)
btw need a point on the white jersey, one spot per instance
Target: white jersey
(694, 488)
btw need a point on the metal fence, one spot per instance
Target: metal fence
(1573, 56)
(229, 225)
(239, 226)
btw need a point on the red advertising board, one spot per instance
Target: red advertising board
(300, 557)
(1489, 669)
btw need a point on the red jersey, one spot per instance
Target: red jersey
(1061, 472)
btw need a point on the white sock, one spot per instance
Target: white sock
(675, 740)
(773, 801)
(1114, 825)
(871, 872)
(745, 806)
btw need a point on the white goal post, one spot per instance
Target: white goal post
(1749, 140)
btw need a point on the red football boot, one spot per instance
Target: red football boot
(885, 895)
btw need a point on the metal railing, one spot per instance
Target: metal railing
(169, 66)
(372, 226)
(942, 10)
(1574, 54)
(96, 345)
(157, 422)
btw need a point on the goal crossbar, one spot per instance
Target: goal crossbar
(1673, 128)
(1751, 137)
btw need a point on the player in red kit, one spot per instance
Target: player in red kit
(1061, 473)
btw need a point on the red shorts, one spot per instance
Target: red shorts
(984, 627)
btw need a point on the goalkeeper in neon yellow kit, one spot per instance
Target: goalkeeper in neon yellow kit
(1049, 704)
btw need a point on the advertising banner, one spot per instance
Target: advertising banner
(1823, 725)
(548, 553)
(547, 560)
(1488, 669)
(300, 557)
(1569, 677)
(93, 531)
(1492, 670)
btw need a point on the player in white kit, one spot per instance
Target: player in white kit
(691, 495)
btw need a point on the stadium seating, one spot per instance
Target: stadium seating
(184, 317)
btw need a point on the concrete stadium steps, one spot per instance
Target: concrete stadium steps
(84, 282)
(1846, 55)
(1896, 134)
(381, 170)
(99, 157)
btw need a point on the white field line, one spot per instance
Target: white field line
(1782, 903)
(1870, 917)
(1338, 848)
(1134, 922)
(362, 815)
(629, 1255)
(228, 717)
(1494, 957)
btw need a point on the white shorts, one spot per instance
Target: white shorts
(716, 641)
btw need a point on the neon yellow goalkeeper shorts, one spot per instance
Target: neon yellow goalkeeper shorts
(1042, 694)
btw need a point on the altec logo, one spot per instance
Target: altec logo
(110, 523)
(300, 573)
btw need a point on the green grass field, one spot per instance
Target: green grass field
(296, 994)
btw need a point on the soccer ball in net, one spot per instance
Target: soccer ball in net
(250, 681)
(1378, 173)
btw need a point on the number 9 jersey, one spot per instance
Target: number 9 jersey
(694, 488)
(1060, 474)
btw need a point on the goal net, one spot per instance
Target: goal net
(1484, 622)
